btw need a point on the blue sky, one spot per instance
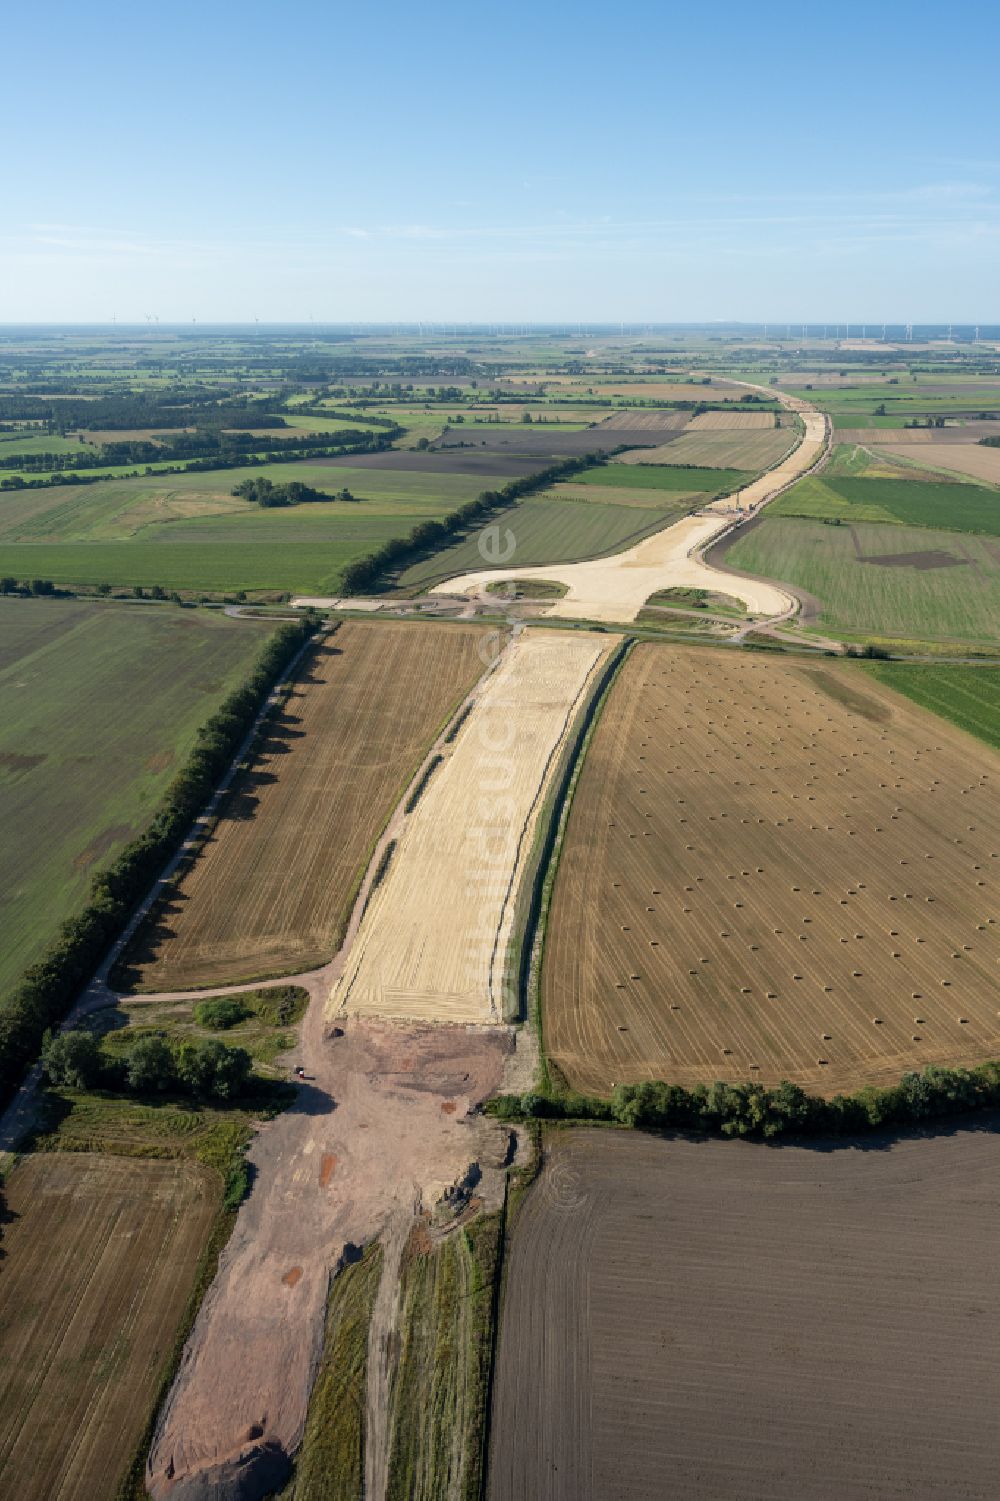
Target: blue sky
(651, 162)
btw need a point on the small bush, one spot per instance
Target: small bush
(221, 1013)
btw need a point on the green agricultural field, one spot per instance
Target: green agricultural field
(909, 502)
(15, 443)
(327, 425)
(99, 705)
(883, 579)
(968, 696)
(665, 477)
(857, 405)
(549, 530)
(189, 533)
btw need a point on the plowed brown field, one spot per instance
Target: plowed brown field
(723, 1321)
(99, 1261)
(272, 889)
(773, 870)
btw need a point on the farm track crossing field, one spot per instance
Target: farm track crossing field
(99, 706)
(717, 1319)
(272, 888)
(882, 579)
(772, 871)
(99, 1261)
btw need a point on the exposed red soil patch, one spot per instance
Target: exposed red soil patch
(289, 1279)
(326, 1168)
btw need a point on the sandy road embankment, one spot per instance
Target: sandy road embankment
(432, 944)
(615, 589)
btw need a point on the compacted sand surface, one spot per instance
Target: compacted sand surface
(433, 941)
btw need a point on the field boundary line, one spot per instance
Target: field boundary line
(18, 1116)
(534, 814)
(533, 944)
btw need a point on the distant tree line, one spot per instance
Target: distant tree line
(49, 987)
(290, 453)
(365, 573)
(756, 1111)
(222, 448)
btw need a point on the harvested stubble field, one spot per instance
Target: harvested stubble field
(738, 448)
(772, 871)
(654, 422)
(714, 1319)
(99, 1261)
(433, 941)
(272, 889)
(732, 422)
(957, 433)
(99, 706)
(974, 459)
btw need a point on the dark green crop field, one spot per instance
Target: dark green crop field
(99, 705)
(957, 508)
(968, 696)
(664, 477)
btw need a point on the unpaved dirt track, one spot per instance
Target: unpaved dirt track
(616, 588)
(433, 941)
(727, 1321)
(773, 869)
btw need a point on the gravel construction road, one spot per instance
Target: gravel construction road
(615, 589)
